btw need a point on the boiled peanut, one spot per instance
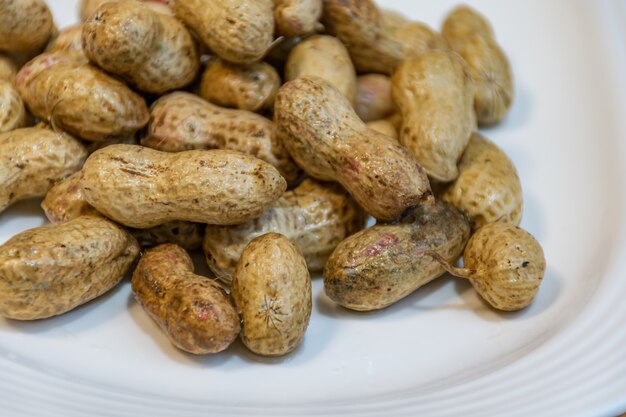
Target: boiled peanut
(193, 311)
(434, 94)
(272, 290)
(329, 141)
(182, 121)
(141, 188)
(52, 269)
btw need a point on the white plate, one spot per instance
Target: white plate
(440, 352)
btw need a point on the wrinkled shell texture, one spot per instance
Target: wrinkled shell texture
(12, 111)
(50, 270)
(471, 35)
(8, 70)
(239, 32)
(325, 57)
(328, 140)
(192, 310)
(33, 159)
(251, 87)
(359, 25)
(80, 99)
(187, 235)
(417, 37)
(150, 50)
(509, 265)
(141, 188)
(297, 17)
(488, 188)
(434, 94)
(25, 25)
(182, 121)
(88, 7)
(314, 216)
(378, 266)
(66, 201)
(373, 97)
(272, 290)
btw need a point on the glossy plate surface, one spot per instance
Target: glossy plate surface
(441, 351)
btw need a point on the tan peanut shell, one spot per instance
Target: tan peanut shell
(504, 263)
(434, 95)
(325, 57)
(182, 121)
(8, 70)
(297, 17)
(12, 111)
(314, 216)
(141, 188)
(33, 159)
(375, 43)
(88, 7)
(150, 50)
(66, 201)
(272, 291)
(80, 99)
(192, 310)
(488, 188)
(251, 87)
(378, 266)
(68, 39)
(50, 270)
(471, 35)
(373, 97)
(328, 140)
(384, 126)
(25, 25)
(239, 32)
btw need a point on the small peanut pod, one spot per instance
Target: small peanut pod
(192, 310)
(378, 266)
(8, 70)
(272, 290)
(470, 34)
(32, 160)
(50, 270)
(325, 57)
(373, 97)
(239, 32)
(12, 111)
(150, 50)
(314, 216)
(251, 87)
(504, 263)
(329, 141)
(182, 121)
(141, 188)
(66, 201)
(79, 98)
(297, 17)
(434, 94)
(488, 188)
(25, 25)
(68, 39)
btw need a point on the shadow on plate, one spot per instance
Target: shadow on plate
(546, 297)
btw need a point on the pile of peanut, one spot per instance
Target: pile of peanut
(264, 132)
